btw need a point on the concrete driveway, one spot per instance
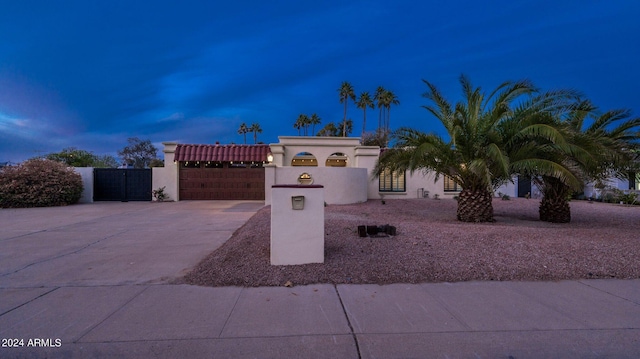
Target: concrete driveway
(113, 243)
(91, 281)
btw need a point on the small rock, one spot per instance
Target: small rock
(288, 284)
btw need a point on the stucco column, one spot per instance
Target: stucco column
(269, 181)
(297, 224)
(367, 157)
(167, 176)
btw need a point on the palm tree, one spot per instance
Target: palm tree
(256, 129)
(364, 101)
(539, 146)
(302, 123)
(600, 146)
(314, 120)
(389, 99)
(379, 98)
(329, 129)
(346, 128)
(242, 130)
(472, 156)
(299, 123)
(346, 92)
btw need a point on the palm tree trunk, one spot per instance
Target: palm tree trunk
(364, 121)
(555, 210)
(344, 122)
(475, 206)
(554, 206)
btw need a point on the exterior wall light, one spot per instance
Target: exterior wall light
(269, 157)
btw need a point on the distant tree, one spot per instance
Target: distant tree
(329, 130)
(256, 129)
(364, 101)
(389, 99)
(71, 156)
(105, 161)
(138, 152)
(346, 92)
(378, 97)
(314, 120)
(345, 128)
(301, 122)
(156, 162)
(377, 138)
(243, 130)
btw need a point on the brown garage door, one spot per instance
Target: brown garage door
(222, 183)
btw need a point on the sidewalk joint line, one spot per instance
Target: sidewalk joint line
(109, 316)
(29, 301)
(344, 310)
(582, 281)
(231, 312)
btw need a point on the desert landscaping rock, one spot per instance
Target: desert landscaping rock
(602, 241)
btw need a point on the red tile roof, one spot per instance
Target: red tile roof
(222, 153)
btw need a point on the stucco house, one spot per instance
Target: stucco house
(341, 164)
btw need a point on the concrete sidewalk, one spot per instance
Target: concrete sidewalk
(569, 319)
(93, 281)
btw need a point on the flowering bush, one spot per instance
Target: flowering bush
(39, 183)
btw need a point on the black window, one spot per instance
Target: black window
(392, 181)
(450, 185)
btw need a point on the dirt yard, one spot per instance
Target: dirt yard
(602, 241)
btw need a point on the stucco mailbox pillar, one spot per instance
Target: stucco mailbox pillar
(297, 224)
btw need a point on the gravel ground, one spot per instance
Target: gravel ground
(602, 241)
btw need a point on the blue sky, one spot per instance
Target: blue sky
(91, 74)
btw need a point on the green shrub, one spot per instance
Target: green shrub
(39, 183)
(626, 198)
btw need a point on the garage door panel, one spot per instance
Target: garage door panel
(222, 183)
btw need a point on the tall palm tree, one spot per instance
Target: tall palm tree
(298, 125)
(472, 156)
(314, 120)
(389, 99)
(364, 101)
(302, 123)
(243, 130)
(346, 92)
(379, 99)
(256, 129)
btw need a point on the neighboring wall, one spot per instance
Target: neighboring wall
(87, 183)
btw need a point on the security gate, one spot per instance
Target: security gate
(114, 184)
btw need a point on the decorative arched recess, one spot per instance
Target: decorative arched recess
(337, 159)
(304, 159)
